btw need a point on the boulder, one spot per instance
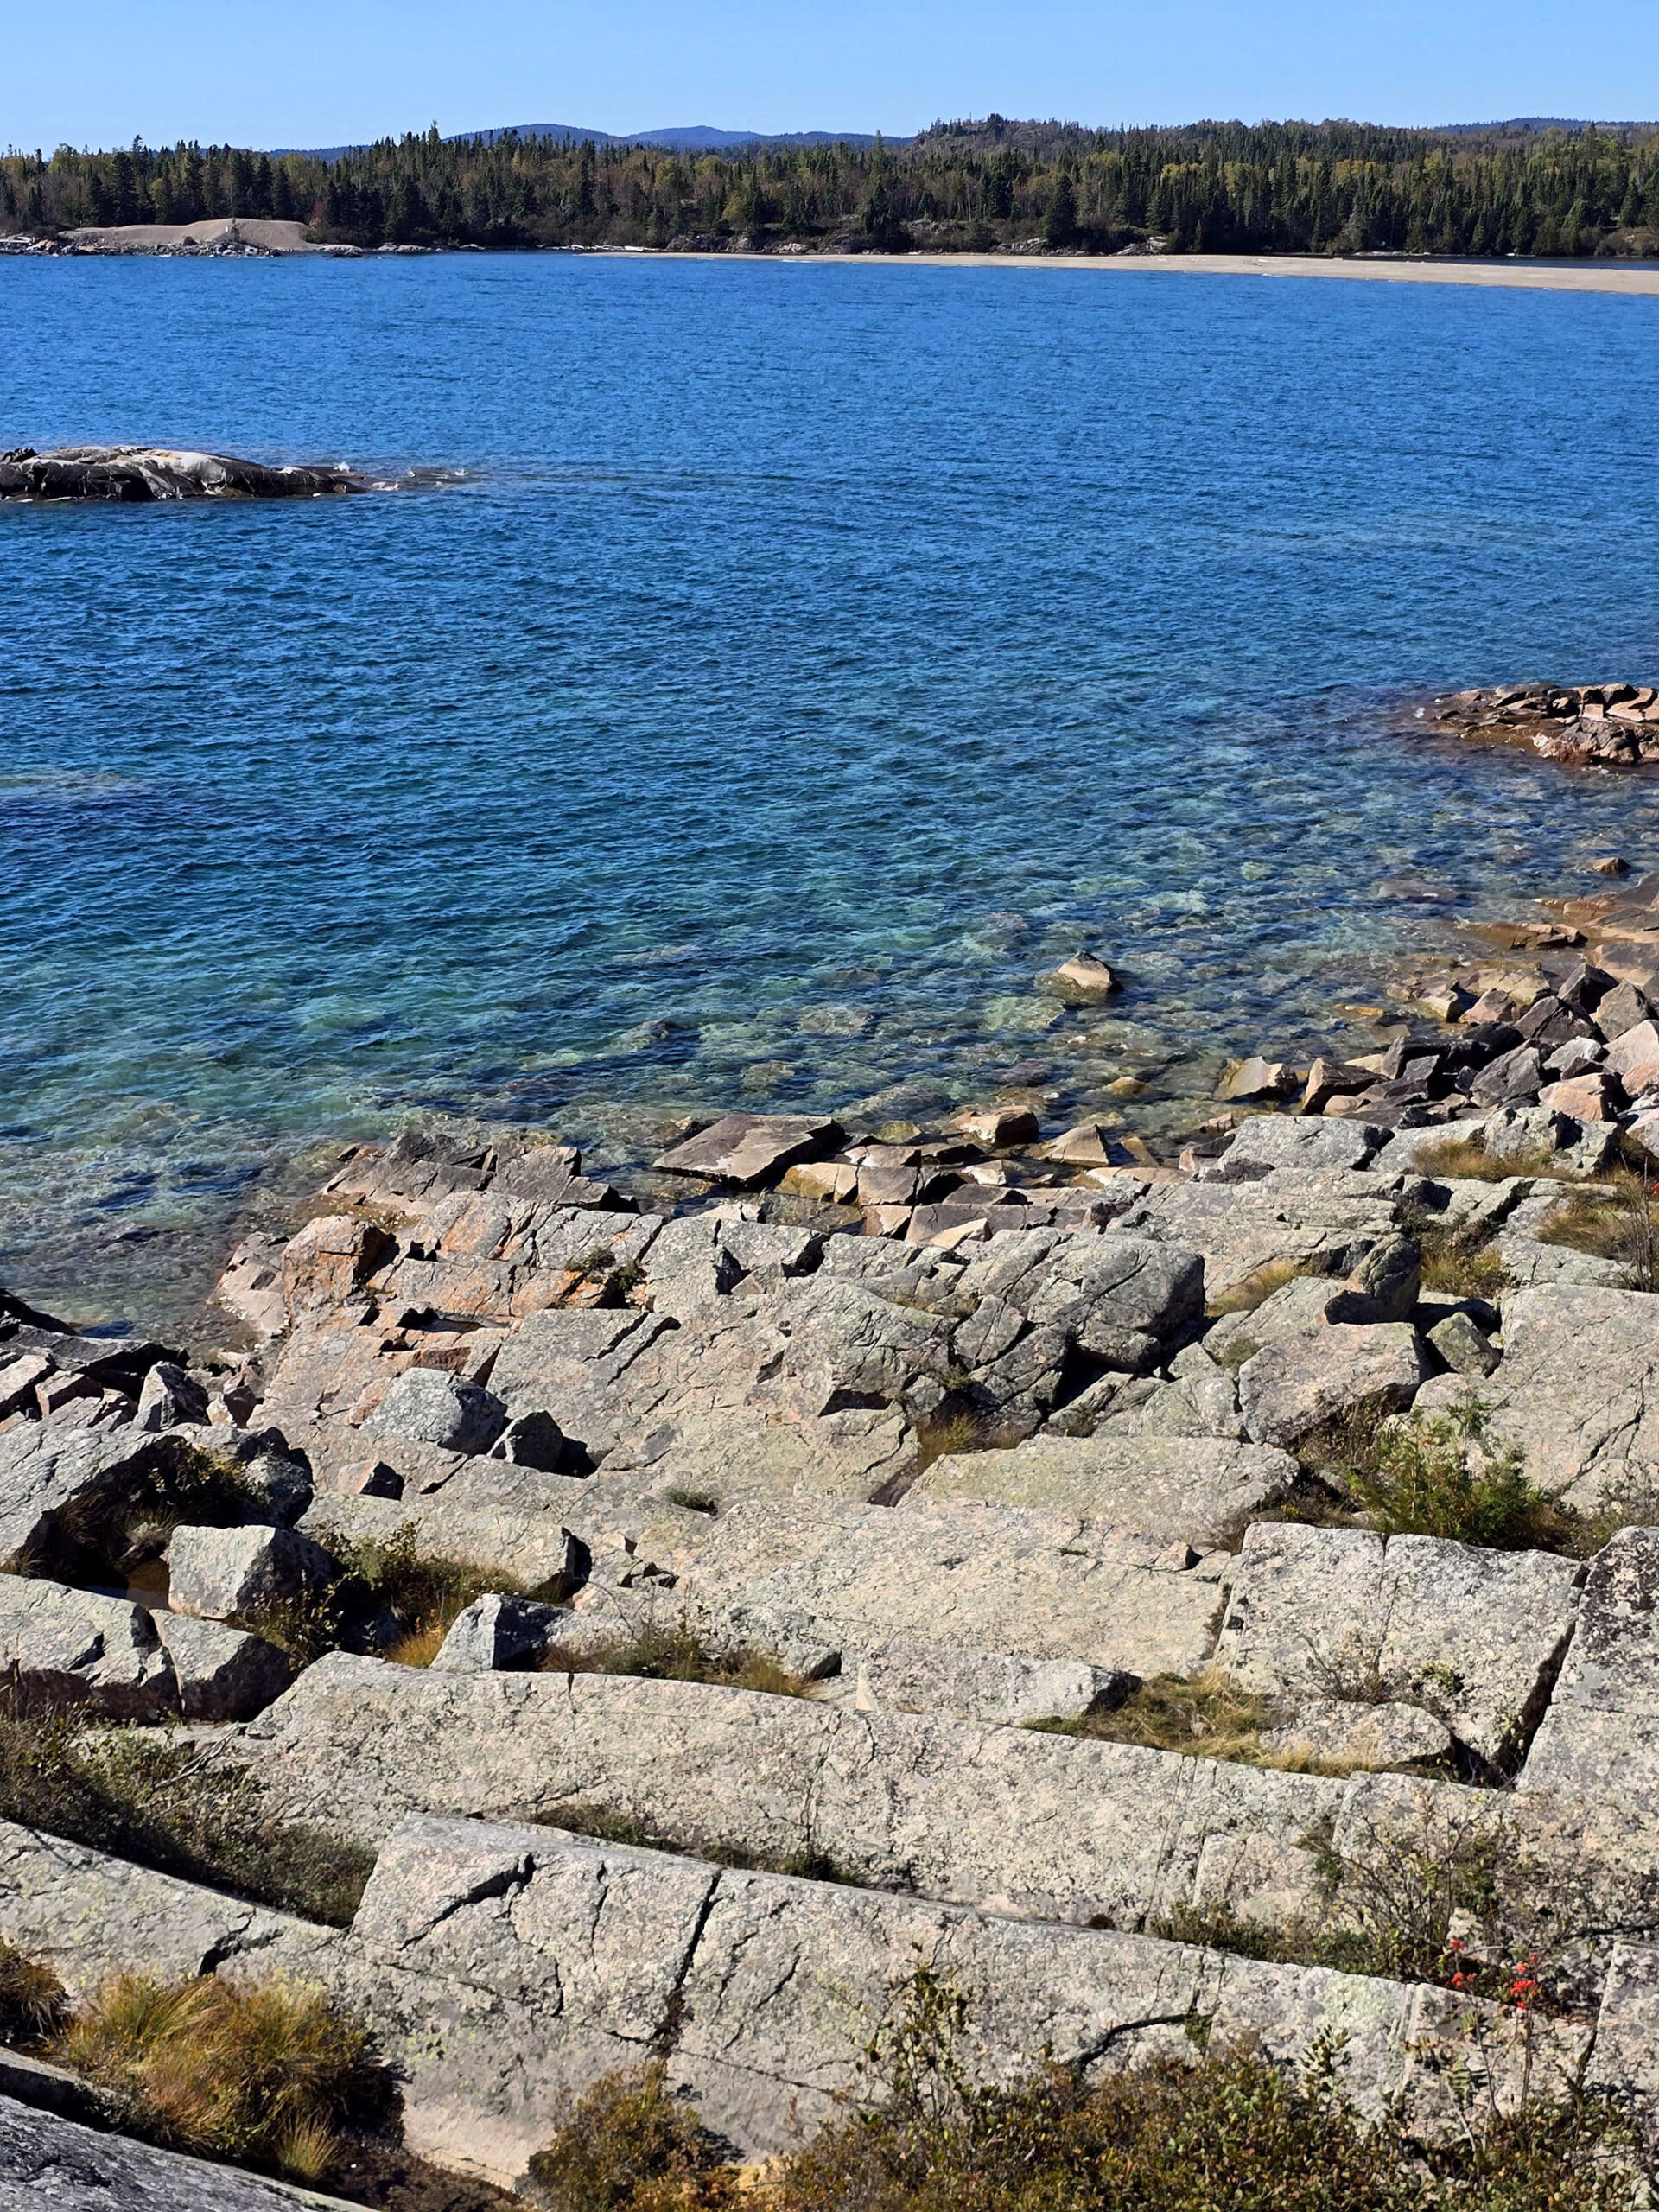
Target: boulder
(1324, 1224)
(221, 1673)
(998, 1126)
(62, 1648)
(1256, 1078)
(169, 1398)
(1194, 1490)
(1464, 1347)
(221, 1575)
(327, 1263)
(143, 473)
(1578, 1392)
(1083, 976)
(532, 1440)
(429, 1405)
(495, 1633)
(1290, 1389)
(1272, 1144)
(1390, 1276)
(1198, 1398)
(251, 1288)
(1619, 1010)
(56, 1481)
(747, 1149)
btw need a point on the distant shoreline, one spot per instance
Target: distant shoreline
(1632, 280)
(244, 237)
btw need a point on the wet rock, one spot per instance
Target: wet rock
(430, 1406)
(1257, 1078)
(1083, 976)
(223, 1573)
(747, 1149)
(1288, 1390)
(999, 1125)
(146, 473)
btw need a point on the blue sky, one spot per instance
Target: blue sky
(317, 72)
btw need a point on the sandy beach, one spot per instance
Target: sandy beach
(1637, 280)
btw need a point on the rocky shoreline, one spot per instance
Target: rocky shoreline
(967, 1435)
(1614, 724)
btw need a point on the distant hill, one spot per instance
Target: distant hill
(1527, 126)
(683, 138)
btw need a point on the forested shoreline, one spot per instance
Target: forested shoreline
(1325, 188)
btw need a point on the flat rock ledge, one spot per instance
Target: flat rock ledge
(139, 473)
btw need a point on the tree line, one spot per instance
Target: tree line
(1224, 188)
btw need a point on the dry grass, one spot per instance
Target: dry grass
(1207, 1716)
(1245, 1297)
(266, 2072)
(424, 1592)
(675, 1652)
(173, 1806)
(32, 2001)
(1466, 1159)
(1621, 1224)
(1183, 2133)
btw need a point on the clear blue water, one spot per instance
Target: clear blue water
(807, 657)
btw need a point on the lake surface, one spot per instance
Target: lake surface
(802, 660)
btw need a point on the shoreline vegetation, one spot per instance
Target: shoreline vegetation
(991, 187)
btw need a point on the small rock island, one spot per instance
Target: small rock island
(149, 473)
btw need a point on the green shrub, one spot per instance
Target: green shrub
(630, 2146)
(266, 2072)
(1433, 1476)
(175, 1807)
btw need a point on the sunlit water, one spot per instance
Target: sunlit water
(807, 657)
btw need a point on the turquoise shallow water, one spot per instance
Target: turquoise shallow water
(803, 659)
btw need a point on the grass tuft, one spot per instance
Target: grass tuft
(1620, 1225)
(32, 2000)
(674, 1652)
(423, 1593)
(1256, 1288)
(268, 2072)
(1207, 1716)
(1466, 1159)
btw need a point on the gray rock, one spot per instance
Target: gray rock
(999, 1687)
(1389, 1734)
(1026, 1823)
(150, 473)
(221, 1673)
(1463, 1346)
(1578, 1394)
(1272, 1144)
(747, 1149)
(495, 1633)
(1474, 1635)
(221, 1574)
(1306, 1302)
(1196, 1490)
(975, 1577)
(278, 1482)
(47, 1471)
(170, 1397)
(52, 2164)
(18, 1378)
(1199, 1398)
(1390, 1275)
(1290, 1389)
(533, 1440)
(430, 1406)
(61, 1648)
(1324, 1223)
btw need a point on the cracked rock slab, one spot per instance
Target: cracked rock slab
(1198, 1491)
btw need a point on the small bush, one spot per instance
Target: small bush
(1215, 2128)
(630, 2146)
(423, 1593)
(266, 2072)
(32, 2002)
(1434, 1477)
(674, 1652)
(173, 1806)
